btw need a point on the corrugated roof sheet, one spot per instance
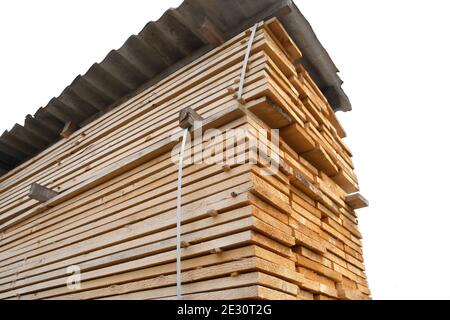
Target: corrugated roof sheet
(177, 38)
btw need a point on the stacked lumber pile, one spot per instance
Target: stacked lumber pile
(246, 234)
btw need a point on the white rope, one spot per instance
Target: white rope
(247, 56)
(180, 181)
(181, 160)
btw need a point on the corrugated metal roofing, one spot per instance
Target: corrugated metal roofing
(162, 47)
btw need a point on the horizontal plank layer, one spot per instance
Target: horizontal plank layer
(279, 225)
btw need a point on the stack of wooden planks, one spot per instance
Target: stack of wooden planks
(246, 235)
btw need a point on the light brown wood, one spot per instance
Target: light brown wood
(246, 234)
(356, 201)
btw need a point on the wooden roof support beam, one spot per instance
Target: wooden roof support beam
(41, 193)
(357, 201)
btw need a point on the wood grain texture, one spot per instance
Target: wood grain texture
(292, 234)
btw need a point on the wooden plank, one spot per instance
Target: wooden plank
(297, 138)
(188, 117)
(284, 39)
(91, 137)
(356, 201)
(179, 77)
(269, 112)
(135, 190)
(139, 129)
(289, 235)
(321, 160)
(69, 129)
(131, 162)
(41, 193)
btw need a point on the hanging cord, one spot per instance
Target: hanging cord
(247, 57)
(180, 181)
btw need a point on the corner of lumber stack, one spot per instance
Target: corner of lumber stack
(247, 235)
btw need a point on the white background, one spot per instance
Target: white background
(394, 57)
